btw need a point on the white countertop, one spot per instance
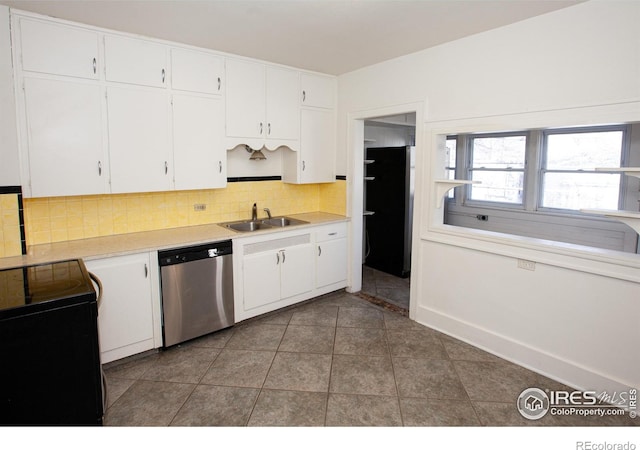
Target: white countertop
(123, 244)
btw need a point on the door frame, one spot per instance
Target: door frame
(355, 188)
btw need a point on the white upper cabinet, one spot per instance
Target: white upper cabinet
(65, 140)
(262, 105)
(283, 116)
(245, 98)
(315, 162)
(317, 90)
(199, 154)
(139, 145)
(135, 61)
(196, 71)
(58, 49)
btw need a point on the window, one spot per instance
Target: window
(451, 144)
(498, 162)
(569, 180)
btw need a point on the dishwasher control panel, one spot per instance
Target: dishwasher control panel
(194, 253)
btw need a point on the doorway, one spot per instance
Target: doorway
(389, 168)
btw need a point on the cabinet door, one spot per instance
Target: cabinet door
(196, 72)
(296, 270)
(317, 147)
(139, 146)
(64, 137)
(283, 108)
(261, 279)
(245, 98)
(318, 90)
(125, 315)
(199, 156)
(58, 49)
(331, 262)
(135, 61)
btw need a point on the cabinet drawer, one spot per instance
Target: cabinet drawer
(331, 232)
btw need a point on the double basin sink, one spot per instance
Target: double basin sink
(262, 224)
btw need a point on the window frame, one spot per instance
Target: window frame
(468, 170)
(541, 171)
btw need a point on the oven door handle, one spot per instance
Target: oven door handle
(98, 283)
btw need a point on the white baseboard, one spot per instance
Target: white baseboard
(537, 360)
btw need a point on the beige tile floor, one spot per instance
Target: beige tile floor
(334, 361)
(392, 289)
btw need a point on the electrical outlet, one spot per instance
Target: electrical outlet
(526, 265)
(199, 207)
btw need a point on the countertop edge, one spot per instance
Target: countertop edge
(148, 241)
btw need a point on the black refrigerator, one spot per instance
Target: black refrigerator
(388, 199)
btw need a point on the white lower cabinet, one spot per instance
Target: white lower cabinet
(272, 271)
(331, 256)
(126, 310)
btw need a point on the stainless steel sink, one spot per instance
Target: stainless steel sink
(249, 225)
(283, 221)
(246, 226)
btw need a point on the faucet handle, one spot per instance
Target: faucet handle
(268, 211)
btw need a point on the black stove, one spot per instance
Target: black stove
(49, 346)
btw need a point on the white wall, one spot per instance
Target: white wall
(9, 163)
(576, 317)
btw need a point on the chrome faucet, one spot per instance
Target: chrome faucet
(268, 212)
(254, 213)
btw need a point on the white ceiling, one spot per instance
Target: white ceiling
(330, 36)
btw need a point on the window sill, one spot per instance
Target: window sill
(609, 263)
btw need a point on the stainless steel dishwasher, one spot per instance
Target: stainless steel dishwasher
(197, 291)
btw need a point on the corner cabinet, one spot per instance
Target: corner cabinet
(275, 270)
(128, 313)
(315, 160)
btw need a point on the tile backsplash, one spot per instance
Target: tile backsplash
(10, 240)
(58, 219)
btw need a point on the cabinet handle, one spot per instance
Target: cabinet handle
(219, 166)
(99, 169)
(95, 65)
(260, 128)
(304, 96)
(166, 168)
(146, 271)
(219, 83)
(333, 234)
(304, 166)
(283, 256)
(269, 129)
(163, 73)
(277, 258)
(319, 250)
